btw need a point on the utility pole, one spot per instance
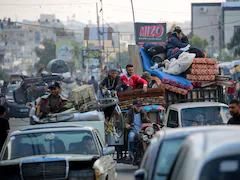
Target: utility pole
(103, 50)
(133, 14)
(220, 37)
(99, 39)
(119, 54)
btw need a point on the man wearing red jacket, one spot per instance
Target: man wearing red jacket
(131, 80)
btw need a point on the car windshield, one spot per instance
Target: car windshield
(167, 153)
(10, 90)
(205, 116)
(74, 142)
(222, 168)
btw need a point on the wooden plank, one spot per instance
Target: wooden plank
(135, 60)
(137, 93)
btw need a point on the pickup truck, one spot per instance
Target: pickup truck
(196, 114)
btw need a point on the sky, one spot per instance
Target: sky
(113, 10)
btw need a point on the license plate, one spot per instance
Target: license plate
(23, 110)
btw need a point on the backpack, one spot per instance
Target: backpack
(153, 49)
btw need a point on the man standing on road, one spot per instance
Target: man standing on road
(4, 126)
(234, 109)
(94, 82)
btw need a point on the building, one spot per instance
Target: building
(215, 22)
(205, 20)
(48, 25)
(230, 20)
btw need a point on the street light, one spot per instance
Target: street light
(133, 19)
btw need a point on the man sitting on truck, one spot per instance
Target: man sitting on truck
(52, 103)
(136, 117)
(112, 82)
(131, 80)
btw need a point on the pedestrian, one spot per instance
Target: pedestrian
(95, 83)
(4, 126)
(231, 91)
(234, 109)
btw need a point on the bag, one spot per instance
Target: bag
(153, 50)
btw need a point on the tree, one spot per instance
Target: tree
(234, 45)
(199, 43)
(46, 52)
(124, 58)
(4, 75)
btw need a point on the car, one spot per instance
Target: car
(161, 153)
(197, 114)
(57, 151)
(208, 155)
(15, 110)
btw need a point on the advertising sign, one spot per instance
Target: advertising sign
(154, 33)
(65, 48)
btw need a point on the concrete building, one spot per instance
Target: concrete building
(230, 20)
(215, 22)
(205, 20)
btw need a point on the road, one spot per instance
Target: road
(125, 172)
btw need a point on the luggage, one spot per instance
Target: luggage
(84, 94)
(153, 50)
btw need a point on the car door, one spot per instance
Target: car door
(106, 162)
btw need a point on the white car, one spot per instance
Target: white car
(208, 156)
(57, 151)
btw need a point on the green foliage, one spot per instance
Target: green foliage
(124, 58)
(4, 75)
(227, 55)
(46, 52)
(199, 43)
(234, 45)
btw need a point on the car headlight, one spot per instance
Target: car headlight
(144, 137)
(97, 173)
(149, 130)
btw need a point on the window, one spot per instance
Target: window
(199, 116)
(59, 142)
(222, 168)
(167, 154)
(172, 119)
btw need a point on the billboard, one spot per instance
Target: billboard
(65, 48)
(94, 33)
(154, 33)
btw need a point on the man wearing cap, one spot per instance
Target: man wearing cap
(111, 82)
(136, 117)
(52, 103)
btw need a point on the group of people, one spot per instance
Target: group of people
(177, 42)
(124, 82)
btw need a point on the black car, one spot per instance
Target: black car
(15, 110)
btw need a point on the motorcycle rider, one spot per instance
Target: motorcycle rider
(136, 117)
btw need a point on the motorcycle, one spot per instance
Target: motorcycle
(142, 140)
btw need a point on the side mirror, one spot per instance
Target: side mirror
(140, 174)
(108, 150)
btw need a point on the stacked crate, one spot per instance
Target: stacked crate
(203, 69)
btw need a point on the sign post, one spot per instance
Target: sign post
(154, 33)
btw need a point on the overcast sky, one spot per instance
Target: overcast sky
(114, 10)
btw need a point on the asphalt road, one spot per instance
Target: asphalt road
(125, 171)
